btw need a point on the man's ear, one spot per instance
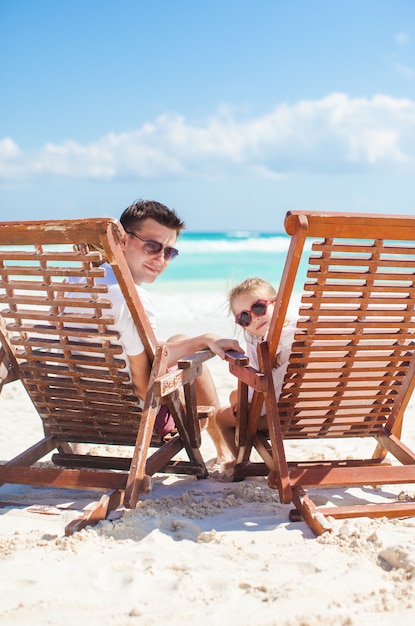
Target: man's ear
(123, 241)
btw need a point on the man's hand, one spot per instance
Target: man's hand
(220, 346)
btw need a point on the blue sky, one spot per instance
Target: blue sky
(230, 111)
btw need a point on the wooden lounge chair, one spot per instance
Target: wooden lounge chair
(351, 370)
(60, 343)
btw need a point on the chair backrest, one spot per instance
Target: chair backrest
(351, 371)
(60, 337)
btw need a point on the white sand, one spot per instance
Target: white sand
(208, 552)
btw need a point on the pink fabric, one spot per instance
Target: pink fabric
(164, 423)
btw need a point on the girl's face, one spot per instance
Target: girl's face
(259, 324)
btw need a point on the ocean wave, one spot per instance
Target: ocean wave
(234, 244)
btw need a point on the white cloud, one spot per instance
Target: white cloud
(402, 38)
(336, 133)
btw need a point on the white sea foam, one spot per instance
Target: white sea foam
(234, 244)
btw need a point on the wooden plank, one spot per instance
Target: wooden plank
(386, 509)
(356, 476)
(61, 478)
(352, 225)
(57, 231)
(195, 359)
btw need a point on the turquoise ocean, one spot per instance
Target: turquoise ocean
(215, 261)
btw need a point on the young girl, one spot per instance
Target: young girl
(252, 304)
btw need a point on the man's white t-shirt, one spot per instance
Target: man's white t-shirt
(129, 337)
(124, 323)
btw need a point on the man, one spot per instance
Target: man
(151, 231)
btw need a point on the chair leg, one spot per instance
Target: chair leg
(96, 512)
(307, 509)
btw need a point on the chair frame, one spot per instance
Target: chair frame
(351, 371)
(50, 360)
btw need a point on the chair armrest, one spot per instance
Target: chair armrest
(239, 367)
(236, 358)
(189, 368)
(197, 358)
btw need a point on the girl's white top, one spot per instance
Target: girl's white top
(283, 355)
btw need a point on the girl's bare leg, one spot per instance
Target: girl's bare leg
(226, 424)
(207, 395)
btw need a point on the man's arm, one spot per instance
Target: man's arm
(178, 348)
(140, 373)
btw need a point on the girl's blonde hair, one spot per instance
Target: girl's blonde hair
(256, 286)
(95, 247)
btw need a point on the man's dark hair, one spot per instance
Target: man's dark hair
(141, 210)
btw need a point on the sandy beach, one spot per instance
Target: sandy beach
(205, 551)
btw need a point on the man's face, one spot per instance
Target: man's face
(146, 267)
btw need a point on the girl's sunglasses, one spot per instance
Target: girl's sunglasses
(155, 247)
(244, 318)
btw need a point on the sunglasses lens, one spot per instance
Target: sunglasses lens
(152, 247)
(170, 253)
(155, 247)
(243, 318)
(259, 307)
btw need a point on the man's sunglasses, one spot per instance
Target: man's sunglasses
(244, 318)
(155, 247)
